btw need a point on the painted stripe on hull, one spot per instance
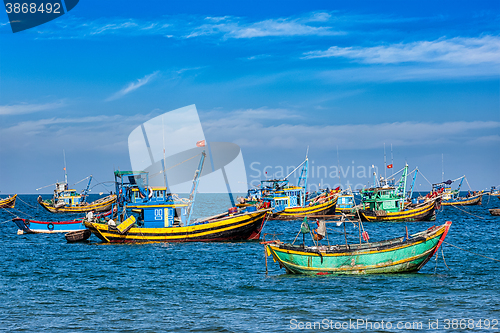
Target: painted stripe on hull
(98, 207)
(467, 202)
(424, 213)
(43, 227)
(326, 208)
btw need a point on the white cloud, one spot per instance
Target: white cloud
(24, 108)
(131, 87)
(412, 72)
(93, 133)
(246, 128)
(455, 50)
(281, 27)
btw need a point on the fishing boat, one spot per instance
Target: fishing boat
(494, 192)
(452, 197)
(291, 202)
(398, 255)
(388, 203)
(67, 200)
(147, 214)
(27, 226)
(9, 202)
(30, 226)
(495, 212)
(345, 202)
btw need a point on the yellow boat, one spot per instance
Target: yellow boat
(325, 205)
(9, 202)
(424, 212)
(467, 201)
(100, 205)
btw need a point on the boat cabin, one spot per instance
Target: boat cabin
(383, 198)
(153, 207)
(66, 197)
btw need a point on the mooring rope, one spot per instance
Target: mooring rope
(19, 212)
(444, 260)
(463, 210)
(5, 221)
(477, 254)
(27, 204)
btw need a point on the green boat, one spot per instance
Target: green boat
(399, 255)
(390, 203)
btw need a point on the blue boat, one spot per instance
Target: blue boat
(345, 202)
(289, 201)
(27, 226)
(452, 197)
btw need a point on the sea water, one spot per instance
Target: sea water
(47, 284)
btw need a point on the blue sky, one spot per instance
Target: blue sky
(272, 76)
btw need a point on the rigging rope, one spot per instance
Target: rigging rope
(477, 254)
(396, 173)
(425, 178)
(161, 171)
(81, 180)
(470, 189)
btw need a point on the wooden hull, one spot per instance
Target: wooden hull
(44, 227)
(101, 205)
(231, 228)
(423, 213)
(475, 200)
(398, 255)
(495, 212)
(78, 236)
(326, 208)
(8, 202)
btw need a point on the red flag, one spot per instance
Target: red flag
(200, 143)
(389, 166)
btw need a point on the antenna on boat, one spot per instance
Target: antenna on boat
(163, 162)
(442, 167)
(385, 164)
(65, 173)
(392, 158)
(338, 167)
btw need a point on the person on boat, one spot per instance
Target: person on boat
(320, 232)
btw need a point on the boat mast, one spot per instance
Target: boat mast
(442, 167)
(460, 185)
(163, 162)
(413, 183)
(338, 167)
(401, 190)
(196, 180)
(303, 179)
(65, 174)
(392, 157)
(86, 191)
